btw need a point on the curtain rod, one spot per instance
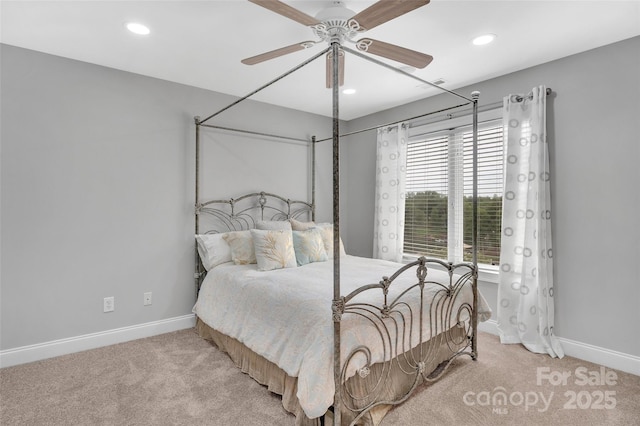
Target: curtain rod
(518, 98)
(530, 95)
(481, 108)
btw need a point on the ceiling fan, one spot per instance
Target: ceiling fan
(342, 25)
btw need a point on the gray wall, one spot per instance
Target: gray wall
(97, 190)
(593, 128)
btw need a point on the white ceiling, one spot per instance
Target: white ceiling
(201, 43)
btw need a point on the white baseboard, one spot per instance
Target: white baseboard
(584, 351)
(25, 354)
(607, 357)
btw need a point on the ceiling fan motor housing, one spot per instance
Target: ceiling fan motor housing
(335, 26)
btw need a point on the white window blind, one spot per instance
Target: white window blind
(438, 209)
(425, 229)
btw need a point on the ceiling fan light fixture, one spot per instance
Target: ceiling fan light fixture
(138, 28)
(349, 91)
(484, 39)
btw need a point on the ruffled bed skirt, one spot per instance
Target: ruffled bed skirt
(279, 382)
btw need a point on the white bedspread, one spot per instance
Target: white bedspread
(285, 316)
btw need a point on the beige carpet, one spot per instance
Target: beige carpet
(180, 379)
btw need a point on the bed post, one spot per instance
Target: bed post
(196, 273)
(474, 318)
(197, 194)
(313, 178)
(337, 307)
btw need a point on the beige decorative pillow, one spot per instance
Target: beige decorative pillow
(309, 246)
(301, 226)
(273, 249)
(273, 225)
(241, 244)
(327, 237)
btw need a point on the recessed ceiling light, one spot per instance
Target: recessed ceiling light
(138, 28)
(484, 39)
(408, 69)
(349, 91)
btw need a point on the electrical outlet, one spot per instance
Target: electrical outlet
(109, 304)
(147, 299)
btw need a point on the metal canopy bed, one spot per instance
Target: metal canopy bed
(419, 316)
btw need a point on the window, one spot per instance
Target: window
(439, 188)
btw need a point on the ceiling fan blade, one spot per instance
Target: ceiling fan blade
(383, 11)
(278, 52)
(287, 11)
(396, 53)
(330, 69)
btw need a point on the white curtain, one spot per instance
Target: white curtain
(390, 193)
(526, 288)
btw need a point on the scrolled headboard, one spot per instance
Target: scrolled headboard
(241, 213)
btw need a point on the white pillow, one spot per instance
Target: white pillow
(273, 249)
(213, 250)
(241, 244)
(327, 238)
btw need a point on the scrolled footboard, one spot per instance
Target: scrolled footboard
(426, 325)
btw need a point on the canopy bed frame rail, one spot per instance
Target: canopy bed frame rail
(343, 306)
